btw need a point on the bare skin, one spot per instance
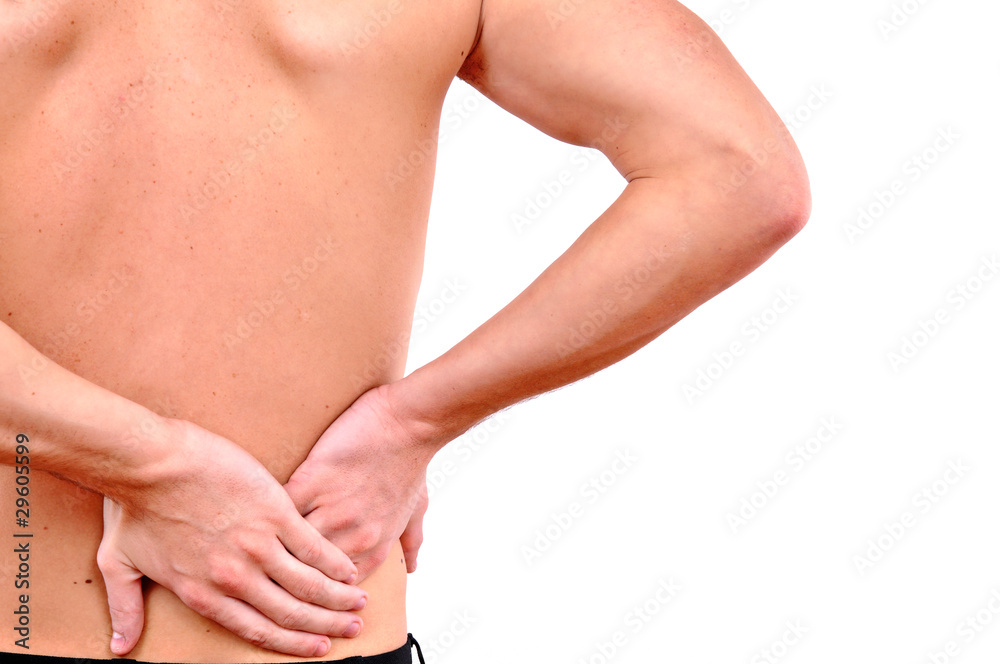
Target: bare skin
(203, 211)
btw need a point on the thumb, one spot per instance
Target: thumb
(413, 535)
(297, 489)
(124, 586)
(122, 582)
(411, 540)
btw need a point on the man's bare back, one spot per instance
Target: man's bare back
(203, 208)
(217, 211)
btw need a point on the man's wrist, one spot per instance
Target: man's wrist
(432, 414)
(123, 451)
(146, 448)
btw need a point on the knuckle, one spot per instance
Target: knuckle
(105, 561)
(249, 543)
(256, 635)
(311, 552)
(225, 575)
(256, 555)
(120, 614)
(382, 553)
(311, 590)
(294, 618)
(367, 538)
(198, 601)
(337, 627)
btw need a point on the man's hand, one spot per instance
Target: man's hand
(215, 528)
(364, 484)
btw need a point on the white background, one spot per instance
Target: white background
(877, 101)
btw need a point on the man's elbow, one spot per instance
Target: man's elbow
(794, 206)
(777, 201)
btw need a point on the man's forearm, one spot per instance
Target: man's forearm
(77, 430)
(661, 250)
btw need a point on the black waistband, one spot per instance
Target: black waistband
(400, 655)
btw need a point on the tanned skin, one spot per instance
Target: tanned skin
(209, 254)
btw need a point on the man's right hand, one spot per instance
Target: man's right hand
(215, 527)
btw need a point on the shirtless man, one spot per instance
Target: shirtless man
(210, 251)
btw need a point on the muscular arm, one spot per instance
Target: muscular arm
(715, 186)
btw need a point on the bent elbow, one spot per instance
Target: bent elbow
(764, 177)
(792, 208)
(783, 200)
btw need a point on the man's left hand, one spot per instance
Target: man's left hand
(364, 484)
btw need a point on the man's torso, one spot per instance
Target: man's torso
(216, 209)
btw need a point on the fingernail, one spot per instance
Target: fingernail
(117, 642)
(351, 578)
(362, 601)
(353, 629)
(321, 648)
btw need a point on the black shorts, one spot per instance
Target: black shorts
(401, 655)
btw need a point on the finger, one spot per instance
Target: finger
(124, 587)
(310, 585)
(287, 612)
(296, 490)
(413, 535)
(305, 543)
(411, 539)
(257, 629)
(370, 561)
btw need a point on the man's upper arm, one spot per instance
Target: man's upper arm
(645, 81)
